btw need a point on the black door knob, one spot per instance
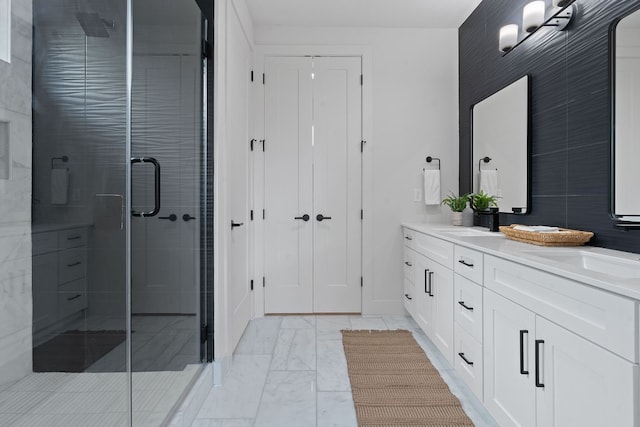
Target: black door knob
(304, 217)
(172, 217)
(321, 217)
(236, 224)
(188, 217)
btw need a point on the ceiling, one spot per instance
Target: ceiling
(362, 13)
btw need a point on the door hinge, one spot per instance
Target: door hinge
(361, 282)
(361, 80)
(362, 145)
(361, 214)
(263, 142)
(264, 214)
(264, 282)
(251, 284)
(253, 141)
(206, 49)
(263, 78)
(251, 75)
(204, 332)
(251, 214)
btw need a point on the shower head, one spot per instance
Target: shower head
(93, 25)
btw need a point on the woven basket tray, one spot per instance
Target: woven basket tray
(566, 238)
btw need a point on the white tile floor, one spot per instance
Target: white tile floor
(292, 372)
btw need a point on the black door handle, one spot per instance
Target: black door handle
(431, 284)
(538, 383)
(467, 361)
(187, 217)
(236, 224)
(463, 262)
(465, 305)
(321, 217)
(156, 165)
(522, 370)
(172, 217)
(304, 217)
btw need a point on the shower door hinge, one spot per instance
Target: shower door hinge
(204, 332)
(264, 142)
(251, 216)
(362, 145)
(361, 282)
(264, 214)
(251, 284)
(361, 80)
(264, 282)
(253, 141)
(206, 49)
(361, 214)
(251, 75)
(263, 78)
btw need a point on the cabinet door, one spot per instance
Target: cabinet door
(45, 290)
(581, 384)
(509, 389)
(423, 301)
(441, 287)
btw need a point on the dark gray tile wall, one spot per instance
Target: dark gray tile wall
(570, 117)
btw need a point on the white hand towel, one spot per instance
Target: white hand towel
(431, 186)
(59, 186)
(489, 182)
(537, 228)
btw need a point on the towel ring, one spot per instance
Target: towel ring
(63, 159)
(430, 159)
(484, 159)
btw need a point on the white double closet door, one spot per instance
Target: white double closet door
(313, 185)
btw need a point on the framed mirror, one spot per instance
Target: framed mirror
(626, 119)
(501, 147)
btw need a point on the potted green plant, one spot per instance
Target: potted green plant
(481, 202)
(457, 204)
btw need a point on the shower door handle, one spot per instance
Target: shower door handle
(156, 166)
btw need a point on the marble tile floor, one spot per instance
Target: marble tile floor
(163, 346)
(291, 371)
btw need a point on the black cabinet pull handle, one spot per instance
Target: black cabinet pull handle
(172, 217)
(75, 264)
(408, 264)
(156, 206)
(538, 383)
(304, 217)
(408, 237)
(321, 217)
(187, 217)
(408, 297)
(465, 306)
(426, 274)
(431, 284)
(74, 297)
(522, 370)
(74, 238)
(467, 361)
(236, 224)
(465, 263)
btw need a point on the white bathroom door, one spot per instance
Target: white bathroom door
(288, 186)
(237, 170)
(165, 126)
(313, 185)
(337, 185)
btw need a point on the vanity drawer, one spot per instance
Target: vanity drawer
(43, 243)
(468, 360)
(599, 316)
(436, 249)
(468, 306)
(72, 238)
(71, 265)
(408, 264)
(468, 263)
(408, 237)
(409, 301)
(72, 297)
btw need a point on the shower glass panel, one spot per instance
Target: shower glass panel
(118, 137)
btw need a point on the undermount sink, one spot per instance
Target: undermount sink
(622, 268)
(469, 232)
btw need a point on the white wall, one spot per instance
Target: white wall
(15, 202)
(410, 111)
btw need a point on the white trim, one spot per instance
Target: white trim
(369, 304)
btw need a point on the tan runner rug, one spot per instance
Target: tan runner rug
(394, 384)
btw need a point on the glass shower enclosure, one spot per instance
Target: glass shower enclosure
(119, 149)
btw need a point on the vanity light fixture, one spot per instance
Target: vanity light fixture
(533, 18)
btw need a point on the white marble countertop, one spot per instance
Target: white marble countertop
(561, 261)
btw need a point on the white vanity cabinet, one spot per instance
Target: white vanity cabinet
(433, 281)
(409, 260)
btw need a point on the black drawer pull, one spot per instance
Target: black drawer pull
(431, 284)
(74, 238)
(408, 264)
(463, 262)
(74, 297)
(538, 383)
(522, 370)
(467, 361)
(408, 297)
(75, 264)
(465, 306)
(408, 237)
(426, 274)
